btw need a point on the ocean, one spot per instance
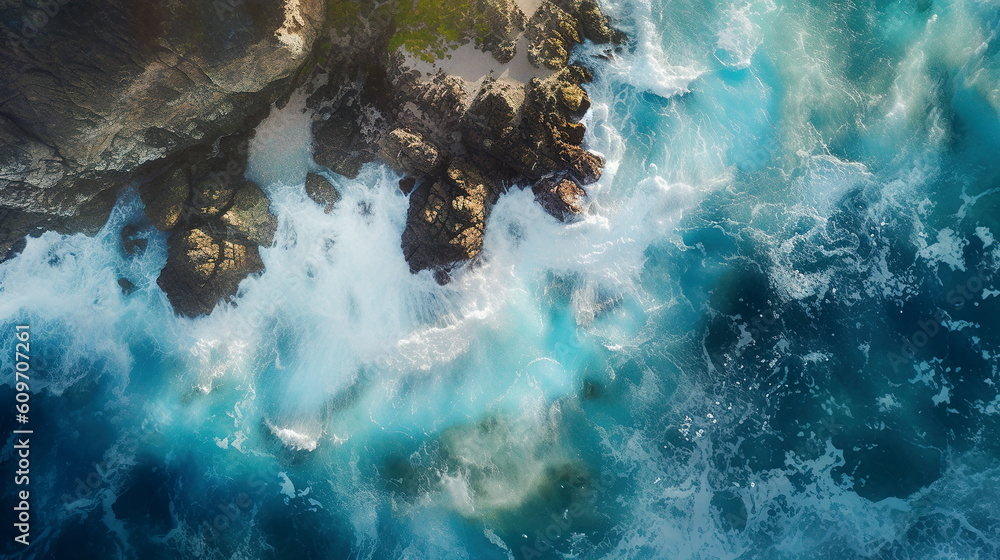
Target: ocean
(773, 334)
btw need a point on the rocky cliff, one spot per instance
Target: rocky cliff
(163, 96)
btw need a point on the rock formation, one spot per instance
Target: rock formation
(460, 144)
(164, 97)
(109, 93)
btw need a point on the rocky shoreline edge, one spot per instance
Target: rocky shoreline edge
(464, 99)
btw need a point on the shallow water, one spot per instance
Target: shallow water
(772, 336)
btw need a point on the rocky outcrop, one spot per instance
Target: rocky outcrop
(164, 96)
(407, 152)
(216, 229)
(502, 21)
(436, 129)
(109, 93)
(446, 220)
(560, 25)
(563, 198)
(203, 267)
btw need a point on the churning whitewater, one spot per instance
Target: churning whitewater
(771, 335)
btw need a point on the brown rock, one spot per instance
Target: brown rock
(586, 167)
(339, 144)
(204, 268)
(165, 197)
(102, 92)
(249, 217)
(552, 33)
(596, 25)
(563, 198)
(496, 109)
(446, 220)
(407, 184)
(407, 152)
(321, 191)
(504, 20)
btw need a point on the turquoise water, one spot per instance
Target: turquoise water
(773, 335)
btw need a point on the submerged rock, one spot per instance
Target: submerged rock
(127, 286)
(131, 242)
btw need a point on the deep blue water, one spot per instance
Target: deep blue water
(774, 335)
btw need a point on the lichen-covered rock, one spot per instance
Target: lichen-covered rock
(562, 198)
(447, 218)
(204, 268)
(321, 192)
(407, 152)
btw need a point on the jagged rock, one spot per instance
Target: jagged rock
(596, 25)
(434, 109)
(340, 145)
(495, 112)
(204, 268)
(552, 33)
(249, 216)
(169, 102)
(407, 152)
(584, 166)
(222, 212)
(563, 198)
(504, 20)
(321, 191)
(446, 219)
